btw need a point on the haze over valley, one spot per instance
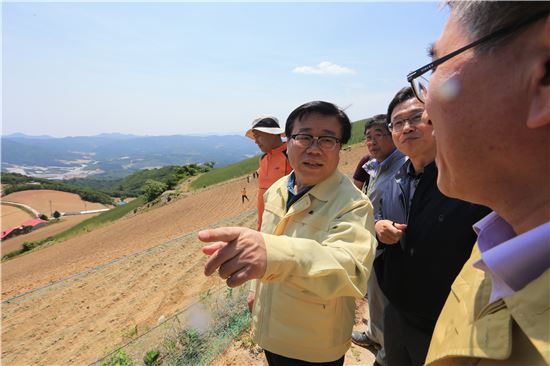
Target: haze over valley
(116, 155)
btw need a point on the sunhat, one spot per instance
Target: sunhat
(268, 124)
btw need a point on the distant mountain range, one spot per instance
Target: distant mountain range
(116, 154)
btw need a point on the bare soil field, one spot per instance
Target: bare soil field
(61, 201)
(128, 235)
(65, 223)
(79, 320)
(13, 216)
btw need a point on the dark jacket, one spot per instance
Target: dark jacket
(416, 274)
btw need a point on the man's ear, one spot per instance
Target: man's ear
(539, 108)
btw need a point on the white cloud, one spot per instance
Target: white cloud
(324, 67)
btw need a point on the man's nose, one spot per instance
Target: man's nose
(314, 147)
(408, 127)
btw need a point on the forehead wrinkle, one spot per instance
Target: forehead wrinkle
(374, 130)
(406, 113)
(309, 129)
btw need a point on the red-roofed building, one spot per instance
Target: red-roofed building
(25, 227)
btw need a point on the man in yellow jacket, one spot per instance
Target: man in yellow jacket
(315, 252)
(488, 98)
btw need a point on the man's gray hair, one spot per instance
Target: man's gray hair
(378, 120)
(484, 17)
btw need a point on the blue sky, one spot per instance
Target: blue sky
(73, 69)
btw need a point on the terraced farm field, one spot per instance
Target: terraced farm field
(40, 199)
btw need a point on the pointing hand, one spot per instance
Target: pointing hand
(239, 254)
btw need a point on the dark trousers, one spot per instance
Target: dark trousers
(405, 344)
(278, 360)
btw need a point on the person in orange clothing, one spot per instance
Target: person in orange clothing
(274, 164)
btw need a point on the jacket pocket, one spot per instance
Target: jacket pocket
(299, 317)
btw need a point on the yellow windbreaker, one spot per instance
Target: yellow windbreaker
(514, 330)
(319, 257)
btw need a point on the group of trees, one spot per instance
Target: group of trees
(153, 188)
(149, 182)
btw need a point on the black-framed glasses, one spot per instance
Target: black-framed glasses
(420, 81)
(326, 143)
(399, 125)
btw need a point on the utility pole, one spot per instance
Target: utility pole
(51, 212)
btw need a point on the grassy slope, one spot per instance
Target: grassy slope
(226, 173)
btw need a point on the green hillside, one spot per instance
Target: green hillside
(131, 185)
(357, 129)
(228, 172)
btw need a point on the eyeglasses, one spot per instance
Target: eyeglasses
(326, 143)
(399, 125)
(420, 82)
(376, 136)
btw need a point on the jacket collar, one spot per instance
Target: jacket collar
(474, 328)
(323, 191)
(279, 149)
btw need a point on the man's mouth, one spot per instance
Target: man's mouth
(408, 138)
(313, 164)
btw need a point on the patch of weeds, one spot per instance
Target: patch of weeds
(28, 246)
(194, 346)
(130, 332)
(151, 358)
(120, 358)
(230, 317)
(248, 344)
(171, 345)
(204, 296)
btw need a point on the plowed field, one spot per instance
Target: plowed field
(40, 199)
